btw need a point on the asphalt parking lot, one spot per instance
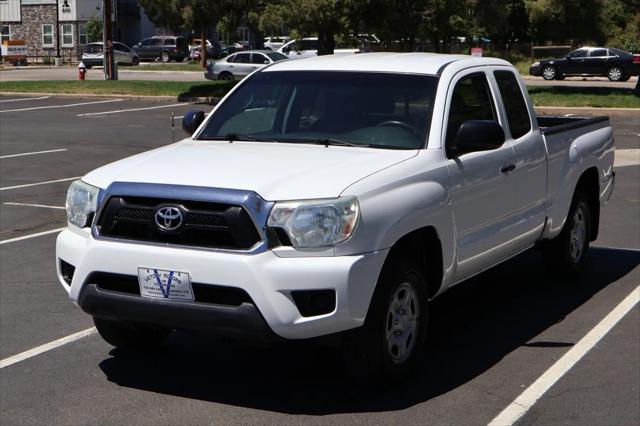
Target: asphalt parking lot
(490, 338)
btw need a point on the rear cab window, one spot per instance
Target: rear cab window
(514, 103)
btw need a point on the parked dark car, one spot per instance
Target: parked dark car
(613, 63)
(163, 48)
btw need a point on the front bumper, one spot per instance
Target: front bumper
(268, 279)
(535, 70)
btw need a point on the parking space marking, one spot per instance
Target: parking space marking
(38, 183)
(33, 153)
(47, 347)
(27, 237)
(533, 393)
(62, 106)
(118, 111)
(24, 99)
(34, 205)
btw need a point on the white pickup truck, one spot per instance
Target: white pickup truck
(334, 195)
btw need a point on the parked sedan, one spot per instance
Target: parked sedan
(239, 65)
(93, 55)
(163, 48)
(613, 63)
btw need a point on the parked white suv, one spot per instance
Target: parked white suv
(308, 47)
(334, 195)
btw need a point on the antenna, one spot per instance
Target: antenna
(173, 129)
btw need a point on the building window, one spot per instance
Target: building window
(5, 35)
(67, 35)
(82, 34)
(47, 35)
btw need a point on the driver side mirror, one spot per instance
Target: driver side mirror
(192, 120)
(477, 135)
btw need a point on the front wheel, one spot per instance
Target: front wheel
(130, 336)
(135, 62)
(567, 253)
(390, 343)
(549, 72)
(615, 74)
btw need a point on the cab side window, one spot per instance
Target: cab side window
(514, 103)
(471, 100)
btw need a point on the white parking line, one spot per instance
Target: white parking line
(533, 393)
(38, 183)
(34, 205)
(128, 110)
(27, 237)
(33, 153)
(24, 99)
(47, 347)
(61, 106)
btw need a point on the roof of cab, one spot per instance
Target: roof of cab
(415, 63)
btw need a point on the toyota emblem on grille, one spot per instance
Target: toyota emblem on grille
(168, 218)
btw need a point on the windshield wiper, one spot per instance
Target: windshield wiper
(236, 137)
(338, 142)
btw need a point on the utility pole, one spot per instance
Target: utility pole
(107, 41)
(57, 29)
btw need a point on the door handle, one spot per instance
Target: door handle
(509, 168)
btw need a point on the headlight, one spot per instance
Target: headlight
(318, 223)
(535, 64)
(82, 201)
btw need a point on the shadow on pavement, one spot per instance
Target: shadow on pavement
(472, 327)
(212, 90)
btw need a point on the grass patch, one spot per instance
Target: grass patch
(161, 66)
(572, 96)
(179, 89)
(562, 96)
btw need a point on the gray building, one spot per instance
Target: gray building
(34, 21)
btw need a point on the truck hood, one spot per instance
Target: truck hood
(276, 171)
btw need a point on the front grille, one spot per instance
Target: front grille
(205, 224)
(202, 293)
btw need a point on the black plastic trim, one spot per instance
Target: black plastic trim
(568, 123)
(244, 321)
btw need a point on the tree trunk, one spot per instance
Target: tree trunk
(203, 48)
(326, 43)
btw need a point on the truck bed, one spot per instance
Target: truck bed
(551, 124)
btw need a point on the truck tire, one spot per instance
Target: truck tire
(390, 344)
(567, 253)
(130, 336)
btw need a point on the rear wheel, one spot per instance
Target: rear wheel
(135, 62)
(549, 72)
(567, 253)
(226, 76)
(615, 74)
(390, 343)
(130, 336)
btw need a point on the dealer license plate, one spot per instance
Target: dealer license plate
(161, 284)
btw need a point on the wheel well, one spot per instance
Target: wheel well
(588, 184)
(424, 246)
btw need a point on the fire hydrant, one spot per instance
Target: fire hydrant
(82, 70)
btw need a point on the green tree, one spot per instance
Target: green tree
(503, 21)
(444, 20)
(94, 29)
(324, 18)
(189, 15)
(573, 21)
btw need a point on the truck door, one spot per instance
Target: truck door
(530, 173)
(482, 187)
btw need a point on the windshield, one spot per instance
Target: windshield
(352, 108)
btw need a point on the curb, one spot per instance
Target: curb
(193, 99)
